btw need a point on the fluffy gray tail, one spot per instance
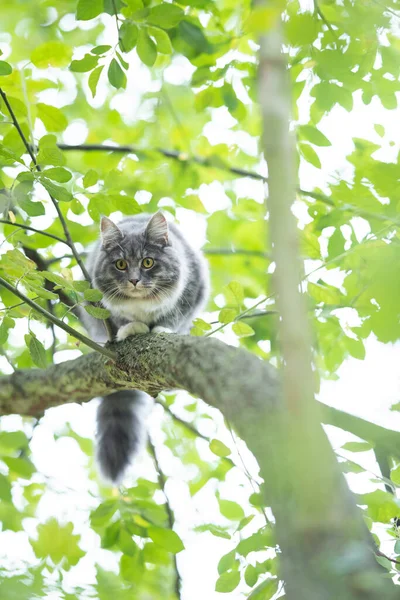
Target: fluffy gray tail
(120, 430)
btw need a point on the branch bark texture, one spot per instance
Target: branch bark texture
(247, 391)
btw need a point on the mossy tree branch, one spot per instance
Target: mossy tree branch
(248, 393)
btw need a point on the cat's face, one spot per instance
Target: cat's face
(137, 262)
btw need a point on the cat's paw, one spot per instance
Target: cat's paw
(131, 329)
(160, 329)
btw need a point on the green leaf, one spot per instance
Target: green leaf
(116, 76)
(230, 510)
(215, 530)
(92, 295)
(227, 562)
(227, 582)
(309, 154)
(302, 29)
(146, 48)
(357, 446)
(381, 506)
(5, 68)
(194, 36)
(166, 538)
(5, 489)
(123, 62)
(19, 466)
(126, 543)
(324, 293)
(244, 522)
(94, 79)
(219, 448)
(91, 178)
(103, 513)
(52, 117)
(58, 543)
(87, 63)
(52, 54)
(12, 441)
(265, 590)
(234, 293)
(131, 567)
(37, 352)
(128, 35)
(201, 324)
(97, 312)
(100, 49)
(161, 37)
(88, 9)
(355, 348)
(251, 575)
(380, 130)
(58, 192)
(227, 315)
(313, 135)
(58, 174)
(6, 324)
(33, 209)
(165, 15)
(242, 329)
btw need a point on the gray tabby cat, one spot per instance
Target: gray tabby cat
(152, 280)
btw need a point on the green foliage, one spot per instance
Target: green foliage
(62, 76)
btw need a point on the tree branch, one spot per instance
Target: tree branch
(63, 222)
(308, 494)
(53, 319)
(386, 440)
(54, 201)
(318, 11)
(183, 157)
(28, 228)
(49, 285)
(219, 374)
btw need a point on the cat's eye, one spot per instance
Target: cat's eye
(121, 264)
(147, 262)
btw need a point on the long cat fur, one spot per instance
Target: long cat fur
(166, 298)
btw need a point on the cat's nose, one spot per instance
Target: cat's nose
(134, 281)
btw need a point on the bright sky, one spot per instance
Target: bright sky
(367, 388)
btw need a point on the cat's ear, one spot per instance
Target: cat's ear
(110, 233)
(157, 229)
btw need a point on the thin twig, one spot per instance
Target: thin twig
(76, 334)
(183, 157)
(173, 154)
(248, 475)
(171, 521)
(28, 228)
(321, 15)
(258, 313)
(230, 252)
(106, 322)
(54, 201)
(41, 264)
(6, 308)
(393, 560)
(235, 252)
(121, 45)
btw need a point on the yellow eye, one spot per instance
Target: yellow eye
(121, 264)
(147, 262)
